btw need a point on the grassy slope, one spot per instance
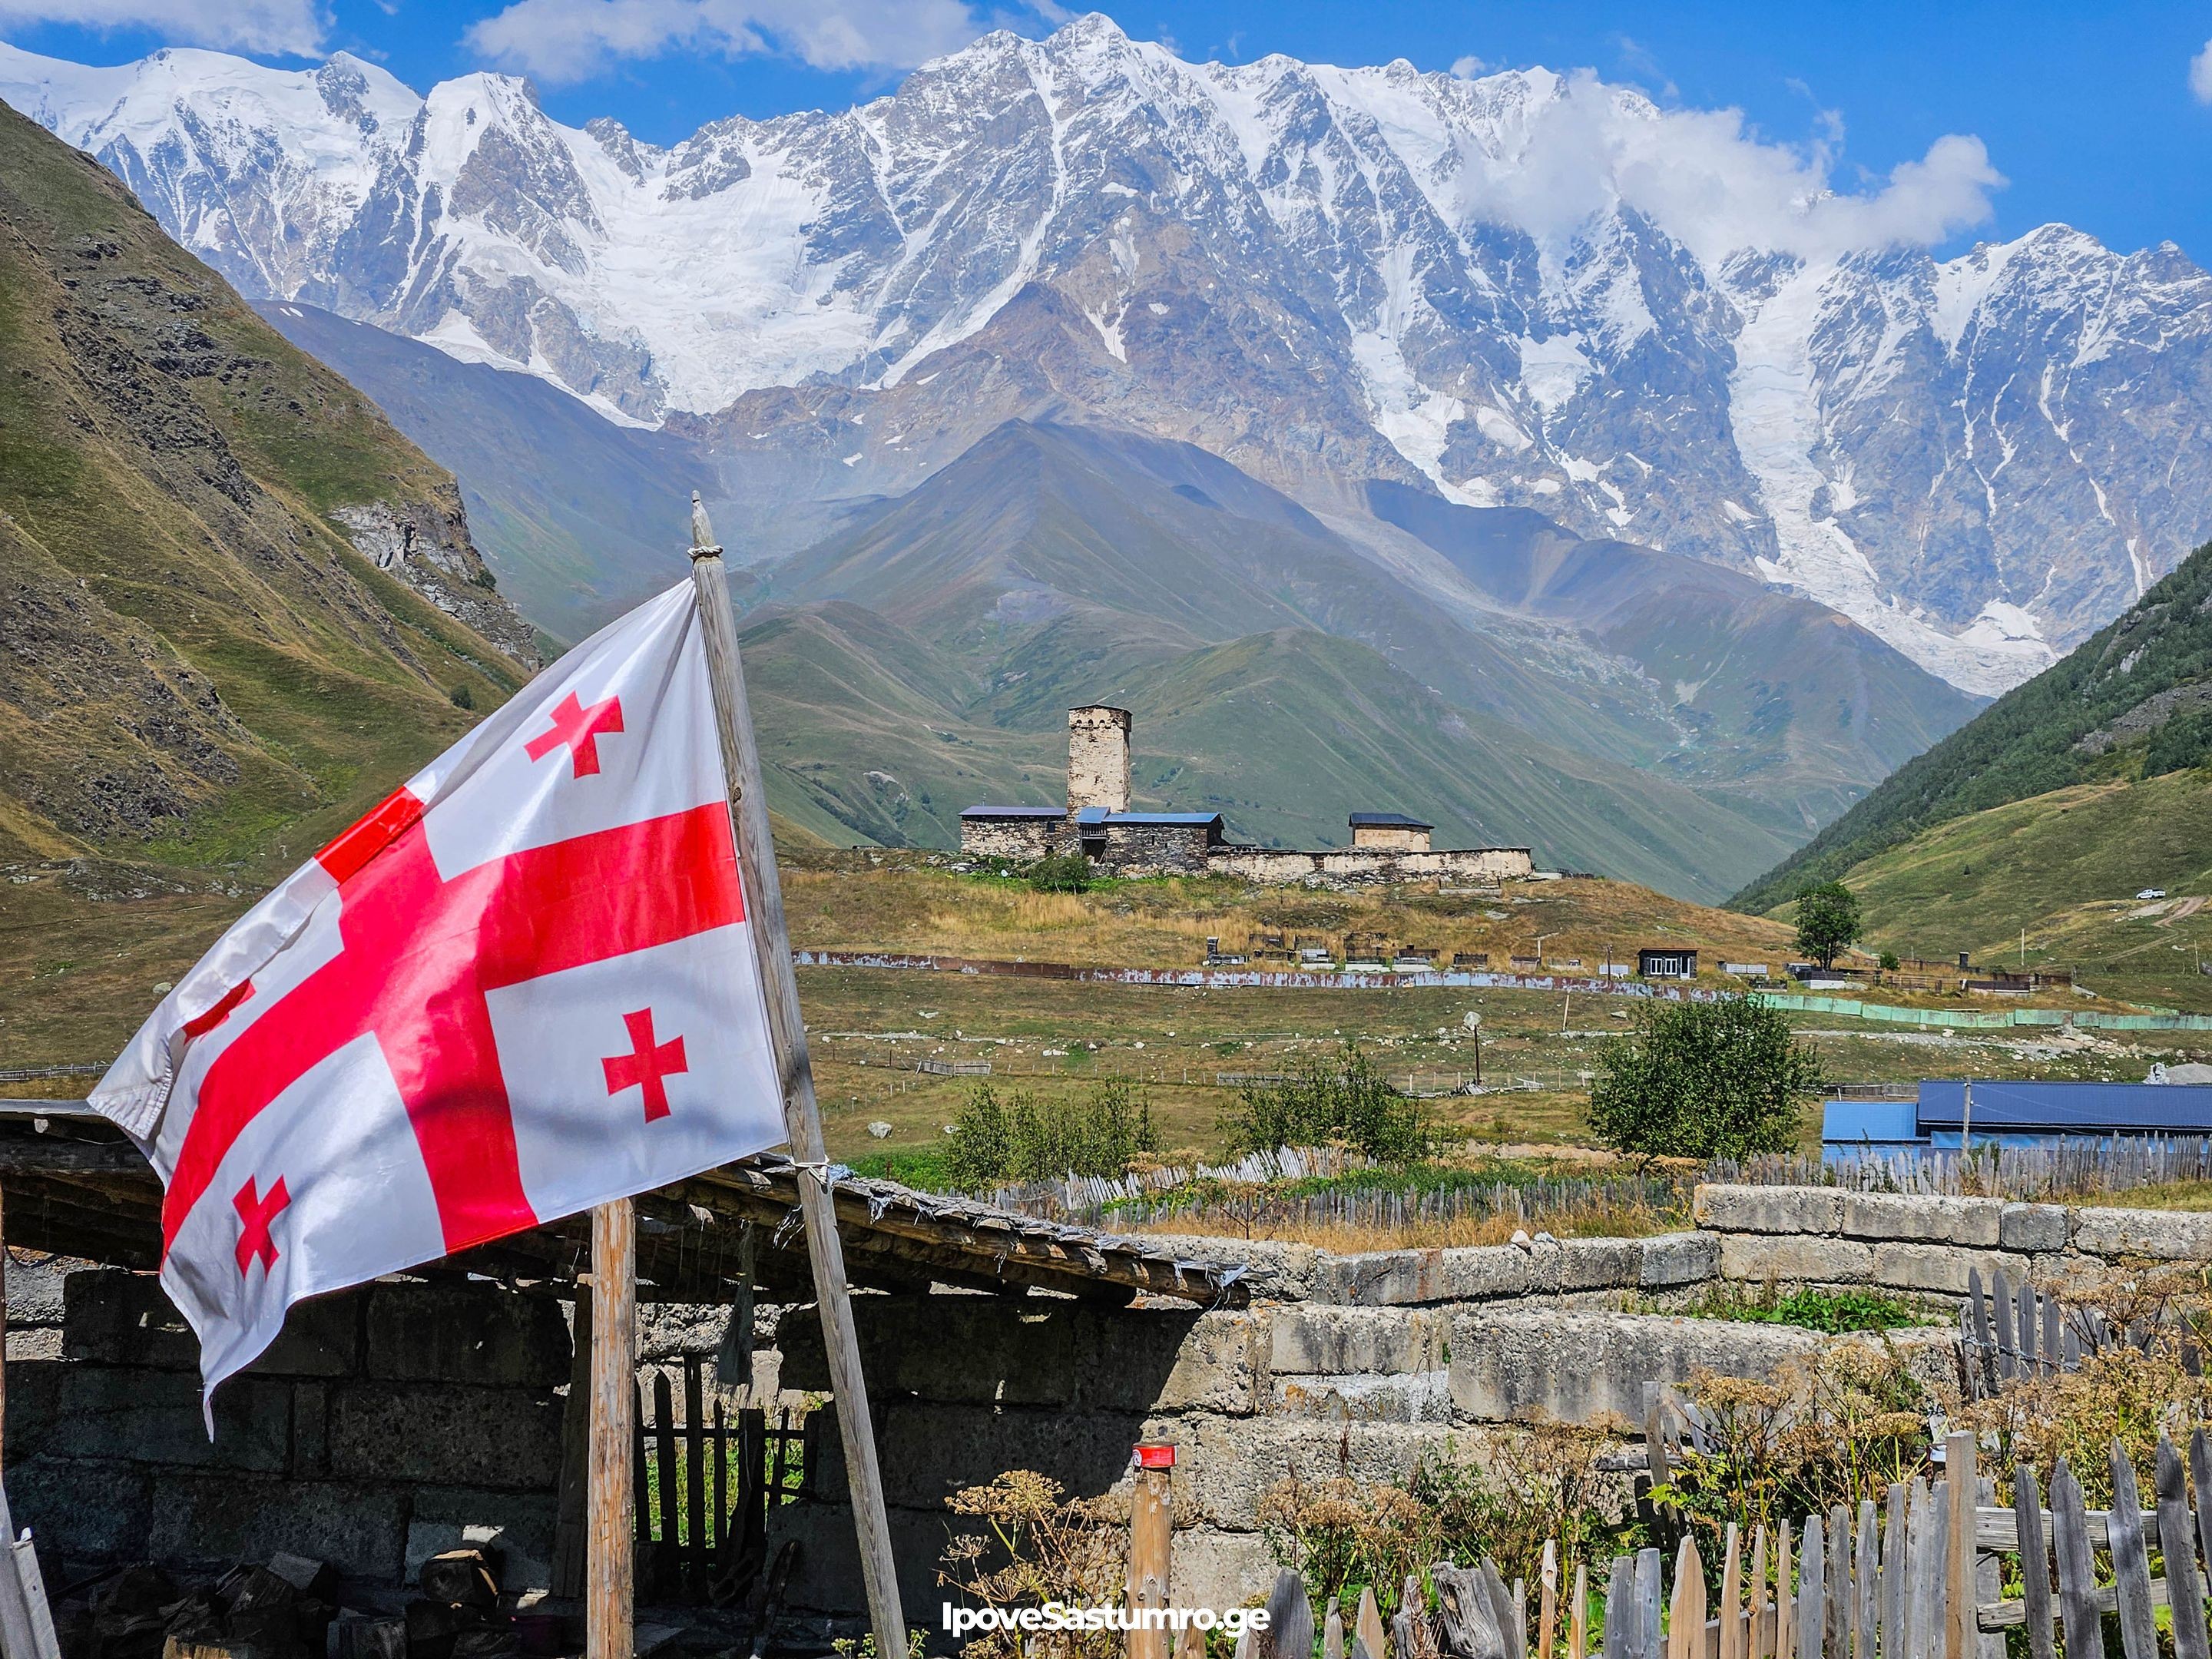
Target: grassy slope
(1273, 672)
(200, 678)
(2023, 744)
(2065, 867)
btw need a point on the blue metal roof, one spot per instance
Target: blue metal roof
(1013, 811)
(1388, 821)
(2069, 1108)
(1881, 1122)
(1193, 819)
(1092, 815)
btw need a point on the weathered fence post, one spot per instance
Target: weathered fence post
(1959, 1634)
(1151, 1537)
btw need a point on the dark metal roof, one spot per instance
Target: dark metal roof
(2082, 1108)
(1193, 819)
(1386, 821)
(1013, 811)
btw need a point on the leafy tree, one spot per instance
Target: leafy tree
(1702, 1079)
(1068, 874)
(2184, 740)
(1827, 921)
(1339, 1096)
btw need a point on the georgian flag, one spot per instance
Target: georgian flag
(521, 986)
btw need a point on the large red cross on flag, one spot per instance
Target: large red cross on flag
(521, 986)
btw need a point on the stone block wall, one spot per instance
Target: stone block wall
(386, 1423)
(966, 1386)
(1926, 1245)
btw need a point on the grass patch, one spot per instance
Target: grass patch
(1835, 1312)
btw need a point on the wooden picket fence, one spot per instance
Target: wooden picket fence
(2007, 1334)
(705, 1483)
(1921, 1575)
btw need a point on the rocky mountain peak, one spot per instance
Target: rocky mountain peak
(1526, 289)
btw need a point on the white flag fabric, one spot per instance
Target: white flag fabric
(521, 986)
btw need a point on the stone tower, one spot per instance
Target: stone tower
(1099, 758)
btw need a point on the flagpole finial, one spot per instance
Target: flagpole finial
(702, 534)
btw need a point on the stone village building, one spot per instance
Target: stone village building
(1098, 823)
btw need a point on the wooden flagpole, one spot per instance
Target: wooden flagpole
(610, 1551)
(802, 1121)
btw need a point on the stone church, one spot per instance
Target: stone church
(1098, 822)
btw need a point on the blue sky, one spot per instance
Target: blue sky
(2099, 115)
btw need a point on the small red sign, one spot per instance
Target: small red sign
(1156, 1457)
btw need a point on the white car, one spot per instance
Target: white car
(2152, 893)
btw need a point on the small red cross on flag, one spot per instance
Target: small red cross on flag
(516, 988)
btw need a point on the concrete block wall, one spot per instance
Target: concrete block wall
(385, 1424)
(1927, 1245)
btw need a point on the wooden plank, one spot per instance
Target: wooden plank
(1577, 1617)
(1785, 1604)
(1619, 1635)
(1929, 1532)
(2053, 1348)
(568, 1524)
(1648, 1604)
(1893, 1577)
(1959, 1482)
(2177, 1541)
(1988, 1575)
(771, 941)
(694, 1480)
(2200, 1476)
(1366, 1624)
(1759, 1626)
(1812, 1599)
(2034, 1562)
(668, 1563)
(2013, 1615)
(1548, 1609)
(1866, 1586)
(1979, 1360)
(1686, 1622)
(1332, 1637)
(2002, 1314)
(1999, 1530)
(610, 1559)
(1654, 1433)
(1731, 1607)
(2077, 1567)
(1836, 1627)
(2131, 1561)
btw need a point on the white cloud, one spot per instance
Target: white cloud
(285, 29)
(560, 40)
(1466, 68)
(1714, 186)
(2200, 75)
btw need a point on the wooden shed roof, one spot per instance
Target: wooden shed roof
(76, 1186)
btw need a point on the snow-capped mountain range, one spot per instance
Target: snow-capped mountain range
(1525, 289)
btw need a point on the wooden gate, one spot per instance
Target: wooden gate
(705, 1484)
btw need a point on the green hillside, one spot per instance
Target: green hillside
(235, 605)
(2053, 878)
(2135, 700)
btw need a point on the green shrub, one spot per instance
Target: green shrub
(1702, 1079)
(462, 696)
(1340, 1096)
(1067, 874)
(1024, 1137)
(1834, 1312)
